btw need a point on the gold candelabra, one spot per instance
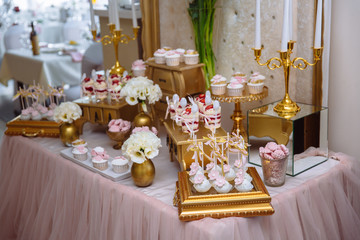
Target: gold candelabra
(116, 37)
(287, 107)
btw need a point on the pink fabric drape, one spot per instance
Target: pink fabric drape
(43, 196)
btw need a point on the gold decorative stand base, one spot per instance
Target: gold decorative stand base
(237, 116)
(193, 205)
(287, 106)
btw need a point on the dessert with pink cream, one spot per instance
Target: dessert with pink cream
(172, 58)
(191, 57)
(80, 153)
(120, 164)
(138, 68)
(100, 158)
(160, 56)
(256, 83)
(274, 163)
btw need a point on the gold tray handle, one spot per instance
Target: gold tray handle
(35, 134)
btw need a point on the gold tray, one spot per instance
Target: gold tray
(193, 205)
(30, 128)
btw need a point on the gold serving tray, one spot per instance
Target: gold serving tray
(30, 128)
(193, 205)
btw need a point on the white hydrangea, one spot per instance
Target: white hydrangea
(67, 112)
(141, 145)
(140, 89)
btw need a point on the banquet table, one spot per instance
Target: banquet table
(46, 69)
(44, 196)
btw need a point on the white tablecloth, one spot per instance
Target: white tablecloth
(46, 68)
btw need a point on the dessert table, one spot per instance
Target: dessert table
(44, 196)
(46, 69)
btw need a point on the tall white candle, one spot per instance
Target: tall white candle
(134, 20)
(110, 11)
(116, 15)
(317, 43)
(291, 20)
(92, 17)
(257, 26)
(285, 29)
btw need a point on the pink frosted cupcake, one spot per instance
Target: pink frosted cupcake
(256, 83)
(138, 68)
(99, 158)
(172, 58)
(80, 153)
(235, 89)
(218, 85)
(181, 51)
(120, 164)
(191, 57)
(160, 56)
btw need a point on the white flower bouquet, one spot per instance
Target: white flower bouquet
(67, 112)
(141, 145)
(140, 89)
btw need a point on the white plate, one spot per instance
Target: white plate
(108, 173)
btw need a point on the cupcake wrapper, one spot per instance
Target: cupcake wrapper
(160, 60)
(173, 61)
(235, 91)
(101, 166)
(255, 89)
(80, 157)
(191, 60)
(120, 169)
(218, 89)
(139, 72)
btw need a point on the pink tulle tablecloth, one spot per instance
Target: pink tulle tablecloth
(44, 196)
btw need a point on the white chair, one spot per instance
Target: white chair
(92, 59)
(13, 37)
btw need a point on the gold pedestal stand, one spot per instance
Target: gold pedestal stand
(116, 37)
(237, 116)
(287, 108)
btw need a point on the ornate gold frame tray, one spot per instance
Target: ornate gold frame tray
(193, 205)
(108, 173)
(31, 128)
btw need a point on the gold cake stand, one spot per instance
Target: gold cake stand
(237, 116)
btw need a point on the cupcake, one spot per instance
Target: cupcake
(201, 184)
(221, 185)
(191, 57)
(172, 58)
(25, 114)
(181, 51)
(235, 89)
(256, 83)
(138, 68)
(120, 164)
(79, 143)
(80, 153)
(160, 56)
(239, 77)
(218, 85)
(212, 116)
(99, 158)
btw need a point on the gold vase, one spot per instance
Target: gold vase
(142, 118)
(68, 133)
(143, 173)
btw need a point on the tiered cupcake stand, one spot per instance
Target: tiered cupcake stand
(237, 116)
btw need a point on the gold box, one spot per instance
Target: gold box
(178, 143)
(193, 205)
(31, 128)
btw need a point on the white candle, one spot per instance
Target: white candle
(116, 15)
(317, 43)
(285, 29)
(291, 20)
(257, 26)
(110, 11)
(134, 20)
(92, 18)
